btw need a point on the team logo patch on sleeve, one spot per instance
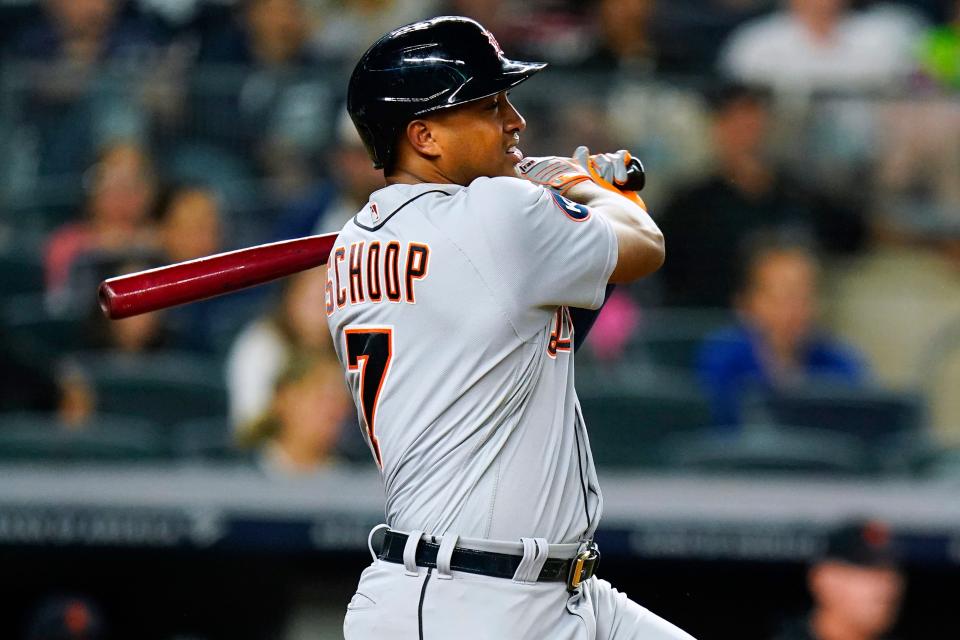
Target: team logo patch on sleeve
(574, 210)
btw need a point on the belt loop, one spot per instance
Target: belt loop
(447, 544)
(410, 553)
(373, 532)
(535, 551)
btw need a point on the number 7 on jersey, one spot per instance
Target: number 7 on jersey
(369, 351)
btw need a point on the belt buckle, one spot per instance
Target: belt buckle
(585, 562)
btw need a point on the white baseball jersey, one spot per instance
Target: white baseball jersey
(448, 309)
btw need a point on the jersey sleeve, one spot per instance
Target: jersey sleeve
(544, 250)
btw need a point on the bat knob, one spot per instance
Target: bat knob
(636, 177)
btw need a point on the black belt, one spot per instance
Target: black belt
(498, 565)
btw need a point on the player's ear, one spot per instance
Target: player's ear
(422, 138)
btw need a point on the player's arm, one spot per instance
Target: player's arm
(640, 249)
(640, 246)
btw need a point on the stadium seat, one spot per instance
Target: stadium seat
(27, 317)
(769, 449)
(932, 461)
(205, 439)
(42, 437)
(874, 415)
(20, 272)
(166, 387)
(631, 414)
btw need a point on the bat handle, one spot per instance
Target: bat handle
(636, 177)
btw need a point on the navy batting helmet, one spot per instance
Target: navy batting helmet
(424, 67)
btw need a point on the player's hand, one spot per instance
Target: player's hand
(552, 172)
(610, 167)
(612, 171)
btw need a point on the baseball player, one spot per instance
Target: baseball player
(448, 298)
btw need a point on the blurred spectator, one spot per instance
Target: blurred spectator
(505, 18)
(337, 199)
(706, 222)
(257, 93)
(632, 41)
(269, 33)
(120, 191)
(25, 383)
(345, 28)
(619, 319)
(81, 33)
(776, 343)
(300, 430)
(190, 224)
(31, 382)
(856, 586)
(137, 334)
(66, 618)
(917, 194)
(664, 124)
(298, 324)
(823, 45)
(695, 30)
(556, 32)
(73, 106)
(940, 51)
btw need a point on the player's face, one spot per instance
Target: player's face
(479, 138)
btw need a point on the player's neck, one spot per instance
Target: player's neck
(413, 168)
(428, 174)
(403, 176)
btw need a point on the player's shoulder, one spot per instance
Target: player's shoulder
(400, 204)
(519, 200)
(503, 191)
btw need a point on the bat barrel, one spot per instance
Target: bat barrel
(194, 280)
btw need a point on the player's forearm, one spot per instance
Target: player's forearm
(641, 246)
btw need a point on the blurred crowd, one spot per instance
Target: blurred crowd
(803, 160)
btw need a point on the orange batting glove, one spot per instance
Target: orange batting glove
(609, 170)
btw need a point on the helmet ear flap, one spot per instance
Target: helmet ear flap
(369, 137)
(387, 148)
(382, 145)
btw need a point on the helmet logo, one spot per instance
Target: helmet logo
(494, 43)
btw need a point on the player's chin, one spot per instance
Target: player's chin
(508, 166)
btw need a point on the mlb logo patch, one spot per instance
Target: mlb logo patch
(374, 212)
(574, 210)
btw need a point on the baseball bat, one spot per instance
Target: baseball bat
(194, 280)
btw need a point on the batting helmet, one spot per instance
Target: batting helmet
(424, 67)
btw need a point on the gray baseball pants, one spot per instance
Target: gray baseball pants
(416, 603)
